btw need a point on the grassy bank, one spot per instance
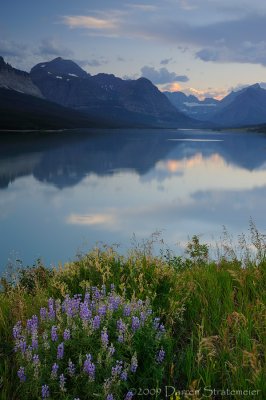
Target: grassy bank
(213, 313)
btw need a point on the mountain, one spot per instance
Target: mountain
(243, 108)
(22, 111)
(192, 106)
(14, 79)
(128, 102)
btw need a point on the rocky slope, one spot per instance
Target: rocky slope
(14, 79)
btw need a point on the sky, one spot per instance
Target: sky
(201, 47)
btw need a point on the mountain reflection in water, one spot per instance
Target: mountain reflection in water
(69, 189)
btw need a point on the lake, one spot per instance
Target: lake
(62, 193)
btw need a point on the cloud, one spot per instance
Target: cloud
(88, 22)
(9, 48)
(50, 47)
(172, 87)
(91, 219)
(165, 61)
(143, 7)
(162, 75)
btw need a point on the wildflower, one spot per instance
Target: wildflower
(135, 323)
(156, 323)
(117, 369)
(60, 351)
(89, 367)
(71, 368)
(66, 334)
(51, 311)
(54, 335)
(102, 310)
(45, 392)
(160, 356)
(62, 381)
(120, 338)
(34, 343)
(22, 345)
(121, 326)
(111, 349)
(112, 286)
(43, 313)
(21, 374)
(36, 360)
(85, 313)
(17, 330)
(110, 397)
(129, 395)
(96, 322)
(127, 310)
(104, 338)
(134, 363)
(123, 375)
(55, 368)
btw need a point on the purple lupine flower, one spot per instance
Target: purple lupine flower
(45, 392)
(156, 323)
(36, 360)
(55, 368)
(51, 311)
(139, 303)
(66, 334)
(17, 330)
(102, 310)
(22, 345)
(104, 338)
(85, 312)
(87, 297)
(121, 326)
(127, 310)
(120, 338)
(114, 302)
(96, 294)
(110, 397)
(60, 351)
(21, 374)
(62, 382)
(135, 323)
(129, 395)
(54, 335)
(134, 364)
(116, 371)
(71, 368)
(160, 356)
(96, 322)
(111, 349)
(34, 343)
(162, 328)
(89, 367)
(112, 286)
(43, 313)
(143, 317)
(123, 375)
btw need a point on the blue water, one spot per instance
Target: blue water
(62, 193)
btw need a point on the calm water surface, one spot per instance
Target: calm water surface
(63, 193)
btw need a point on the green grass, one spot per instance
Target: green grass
(213, 310)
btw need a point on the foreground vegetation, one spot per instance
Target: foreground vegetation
(196, 328)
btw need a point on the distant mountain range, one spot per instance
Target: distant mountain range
(246, 107)
(60, 94)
